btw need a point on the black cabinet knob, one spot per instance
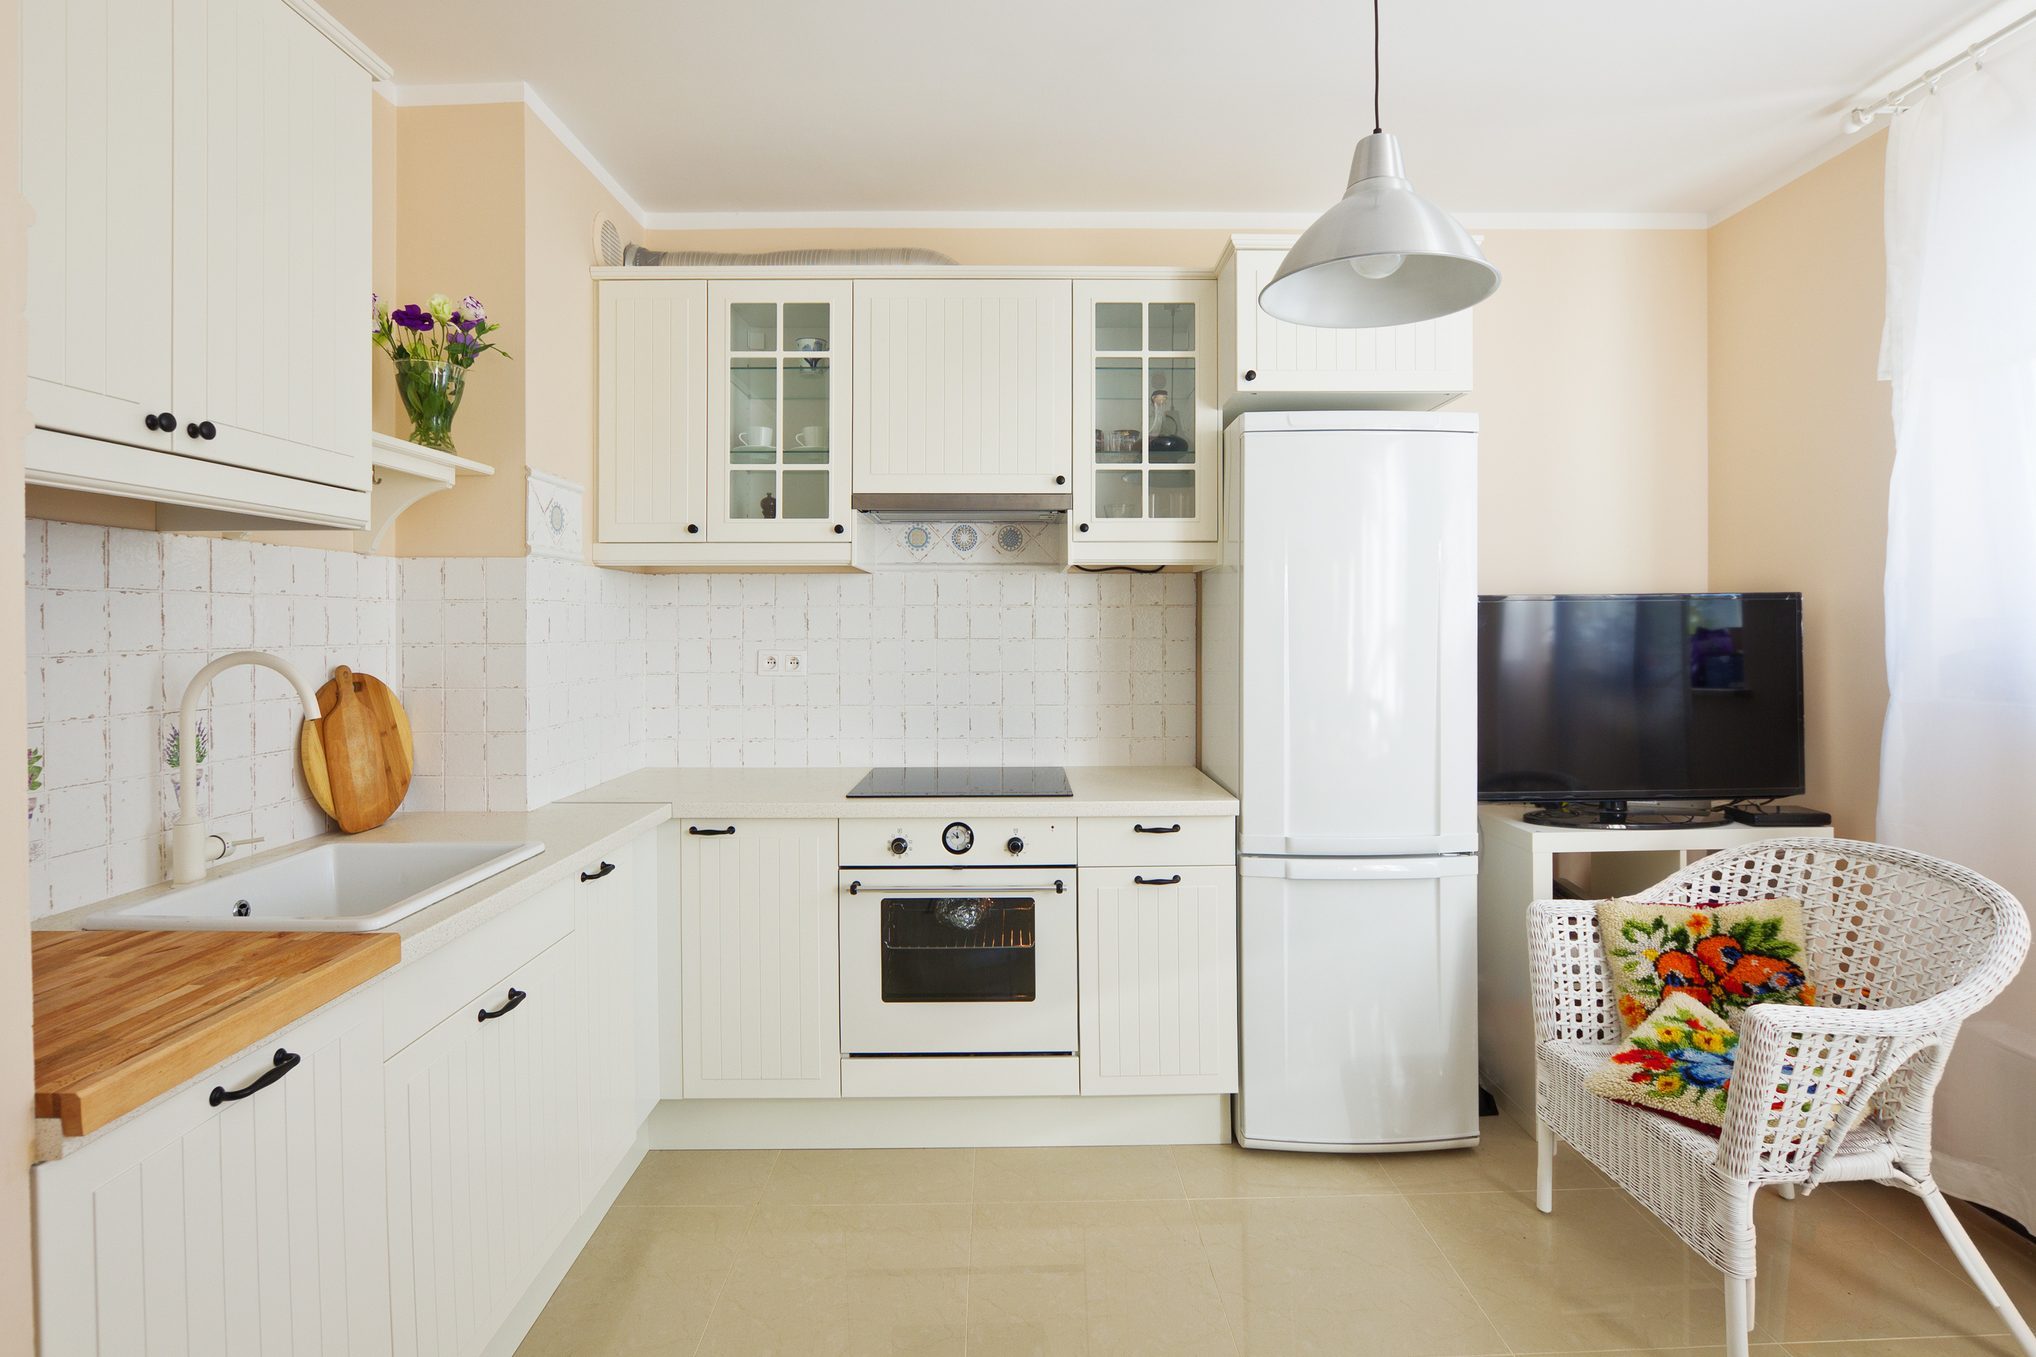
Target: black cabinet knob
(1014, 845)
(1085, 527)
(162, 423)
(692, 527)
(202, 429)
(1251, 374)
(1060, 480)
(898, 846)
(839, 529)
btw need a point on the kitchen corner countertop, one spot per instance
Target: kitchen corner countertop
(174, 1020)
(822, 794)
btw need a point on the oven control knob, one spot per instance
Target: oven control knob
(1014, 845)
(957, 838)
(898, 846)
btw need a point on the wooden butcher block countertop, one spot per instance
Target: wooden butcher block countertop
(121, 1017)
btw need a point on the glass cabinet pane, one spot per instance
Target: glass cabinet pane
(1120, 327)
(1170, 402)
(1120, 410)
(753, 327)
(780, 411)
(807, 327)
(1118, 493)
(753, 405)
(1171, 326)
(753, 494)
(807, 396)
(1172, 494)
(805, 495)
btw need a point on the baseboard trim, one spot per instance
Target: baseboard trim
(517, 1326)
(929, 1123)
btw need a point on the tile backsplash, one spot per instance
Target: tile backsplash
(527, 679)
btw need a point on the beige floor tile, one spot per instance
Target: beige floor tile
(1077, 1173)
(1344, 1275)
(1998, 1346)
(890, 1279)
(1597, 1274)
(644, 1285)
(1092, 1277)
(1503, 1161)
(1231, 1171)
(699, 1178)
(1828, 1271)
(818, 1177)
(2012, 1257)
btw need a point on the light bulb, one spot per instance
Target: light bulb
(1376, 266)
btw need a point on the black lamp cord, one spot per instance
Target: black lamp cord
(1377, 123)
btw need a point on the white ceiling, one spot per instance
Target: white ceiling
(1239, 110)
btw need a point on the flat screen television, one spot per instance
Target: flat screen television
(1640, 697)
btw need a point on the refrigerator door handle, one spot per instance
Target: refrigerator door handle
(1359, 869)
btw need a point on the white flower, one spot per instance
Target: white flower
(471, 308)
(440, 307)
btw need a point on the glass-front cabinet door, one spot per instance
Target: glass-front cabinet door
(777, 416)
(1148, 431)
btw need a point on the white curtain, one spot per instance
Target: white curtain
(1958, 757)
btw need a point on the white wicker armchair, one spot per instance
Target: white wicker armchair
(1902, 947)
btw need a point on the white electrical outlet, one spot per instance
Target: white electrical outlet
(772, 663)
(794, 662)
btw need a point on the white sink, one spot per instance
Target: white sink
(346, 887)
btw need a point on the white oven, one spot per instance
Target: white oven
(976, 960)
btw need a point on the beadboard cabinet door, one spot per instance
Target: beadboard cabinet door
(606, 920)
(253, 1227)
(759, 959)
(962, 385)
(95, 167)
(654, 367)
(271, 242)
(1158, 979)
(484, 1160)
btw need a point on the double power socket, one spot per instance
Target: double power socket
(774, 663)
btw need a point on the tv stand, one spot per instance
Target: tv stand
(1621, 815)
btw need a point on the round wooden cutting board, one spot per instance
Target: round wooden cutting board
(357, 755)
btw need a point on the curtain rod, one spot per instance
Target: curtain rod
(1859, 119)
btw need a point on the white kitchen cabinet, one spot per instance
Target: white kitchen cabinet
(1158, 950)
(485, 1167)
(201, 183)
(653, 455)
(777, 418)
(253, 1226)
(759, 959)
(1147, 431)
(607, 916)
(1269, 364)
(961, 385)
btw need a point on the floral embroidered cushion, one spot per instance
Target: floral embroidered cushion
(1726, 957)
(1678, 1061)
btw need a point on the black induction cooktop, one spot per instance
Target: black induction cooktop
(1047, 781)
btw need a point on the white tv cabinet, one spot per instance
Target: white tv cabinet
(1516, 866)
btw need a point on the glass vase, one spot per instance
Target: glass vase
(431, 390)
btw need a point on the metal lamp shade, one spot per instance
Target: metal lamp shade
(1441, 270)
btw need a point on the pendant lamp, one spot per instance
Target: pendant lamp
(1384, 255)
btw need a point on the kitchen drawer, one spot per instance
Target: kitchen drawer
(419, 997)
(1156, 840)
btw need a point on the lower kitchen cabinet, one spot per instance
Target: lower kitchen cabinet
(759, 975)
(253, 1226)
(1158, 979)
(485, 1167)
(616, 1018)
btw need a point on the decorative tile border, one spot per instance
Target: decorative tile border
(963, 545)
(554, 518)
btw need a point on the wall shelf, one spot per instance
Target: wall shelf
(404, 474)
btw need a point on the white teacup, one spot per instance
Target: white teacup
(755, 436)
(810, 436)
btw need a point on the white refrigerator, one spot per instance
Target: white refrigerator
(1339, 704)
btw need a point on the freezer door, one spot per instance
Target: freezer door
(1358, 642)
(1359, 1003)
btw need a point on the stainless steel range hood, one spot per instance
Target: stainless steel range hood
(972, 506)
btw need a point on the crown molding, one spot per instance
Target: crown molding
(1225, 221)
(1838, 145)
(337, 34)
(517, 92)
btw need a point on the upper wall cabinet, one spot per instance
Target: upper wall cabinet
(199, 259)
(1271, 365)
(961, 385)
(653, 463)
(1147, 432)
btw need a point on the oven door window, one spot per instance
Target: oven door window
(958, 949)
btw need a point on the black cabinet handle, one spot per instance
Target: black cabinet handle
(1173, 880)
(839, 528)
(1060, 480)
(606, 868)
(1251, 374)
(202, 429)
(162, 423)
(708, 833)
(516, 996)
(285, 1062)
(692, 527)
(1155, 829)
(1085, 527)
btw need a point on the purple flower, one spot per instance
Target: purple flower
(461, 323)
(412, 317)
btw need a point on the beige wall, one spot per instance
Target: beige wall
(459, 230)
(17, 1050)
(1802, 443)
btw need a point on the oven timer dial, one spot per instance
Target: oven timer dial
(957, 838)
(1014, 845)
(898, 846)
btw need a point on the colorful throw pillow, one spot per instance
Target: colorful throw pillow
(1726, 957)
(1678, 1061)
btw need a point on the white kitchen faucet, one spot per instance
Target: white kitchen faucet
(192, 847)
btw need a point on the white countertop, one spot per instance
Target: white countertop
(822, 794)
